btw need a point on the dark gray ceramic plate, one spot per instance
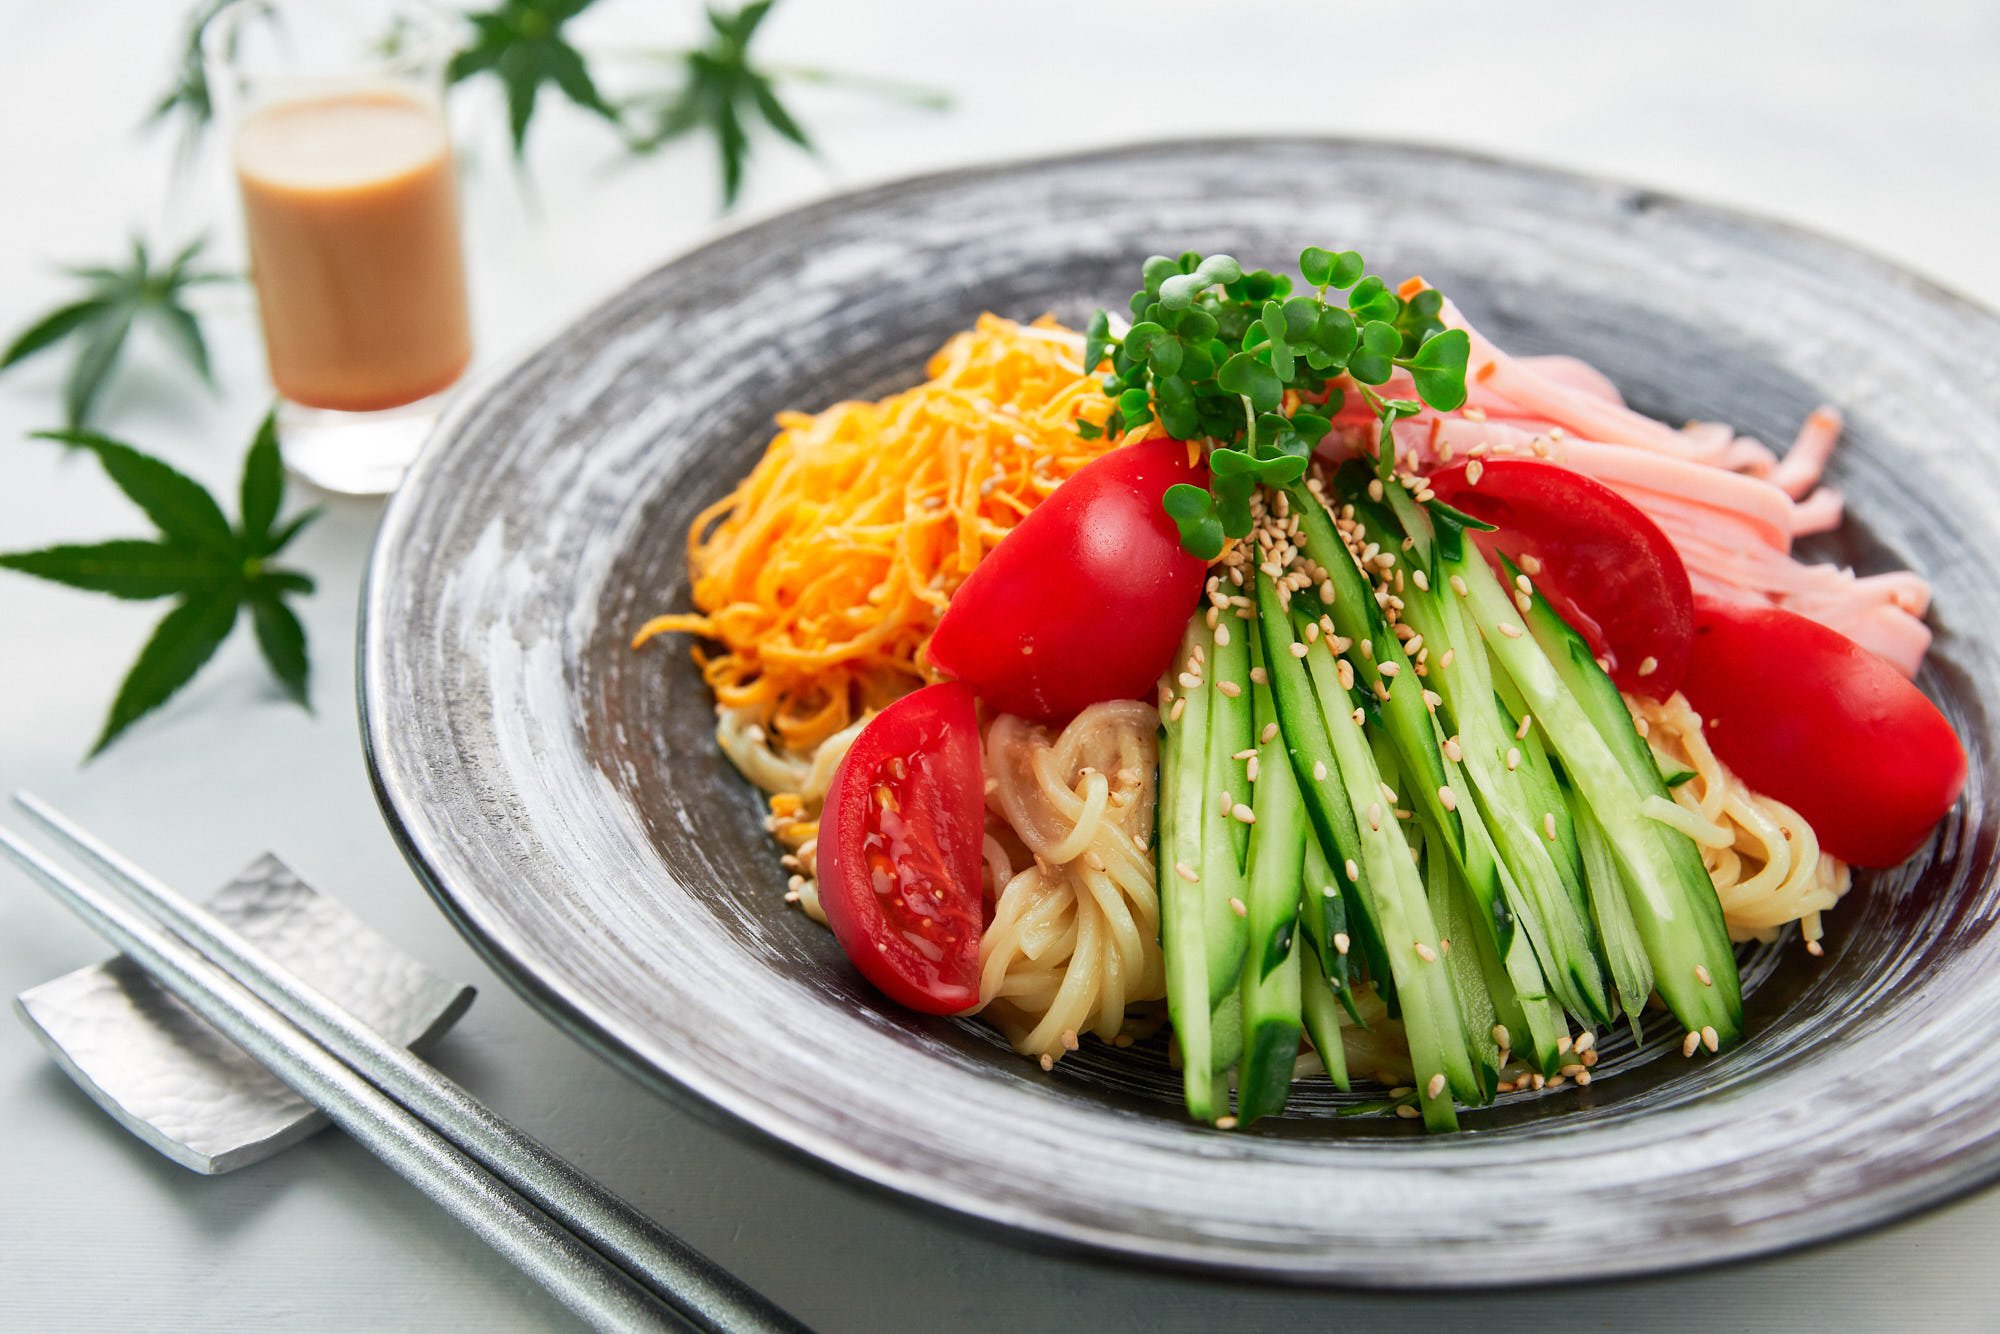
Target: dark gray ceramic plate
(562, 798)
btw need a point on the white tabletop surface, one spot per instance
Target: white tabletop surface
(1875, 122)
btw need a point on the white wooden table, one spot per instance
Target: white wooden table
(1879, 123)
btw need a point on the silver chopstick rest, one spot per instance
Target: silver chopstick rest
(166, 1075)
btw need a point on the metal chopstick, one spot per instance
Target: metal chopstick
(579, 1277)
(694, 1287)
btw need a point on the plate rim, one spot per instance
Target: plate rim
(685, 1086)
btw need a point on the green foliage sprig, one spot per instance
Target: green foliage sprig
(521, 43)
(214, 569)
(115, 299)
(1215, 347)
(722, 92)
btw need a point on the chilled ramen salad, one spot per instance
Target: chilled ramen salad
(1290, 665)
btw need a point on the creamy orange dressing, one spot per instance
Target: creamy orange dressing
(352, 218)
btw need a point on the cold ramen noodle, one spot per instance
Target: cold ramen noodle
(1290, 665)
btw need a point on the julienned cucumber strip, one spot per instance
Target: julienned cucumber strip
(1379, 661)
(1388, 884)
(1624, 951)
(1183, 817)
(1545, 789)
(1225, 838)
(1461, 955)
(1502, 840)
(1317, 771)
(1270, 975)
(1673, 902)
(1321, 1013)
(1686, 949)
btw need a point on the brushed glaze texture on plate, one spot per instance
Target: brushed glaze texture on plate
(563, 799)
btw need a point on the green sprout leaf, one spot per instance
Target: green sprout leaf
(115, 299)
(1439, 369)
(1193, 512)
(213, 568)
(1244, 375)
(1096, 337)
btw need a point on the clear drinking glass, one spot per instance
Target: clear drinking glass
(334, 112)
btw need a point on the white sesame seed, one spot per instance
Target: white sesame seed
(1557, 1082)
(1564, 1044)
(1225, 1123)
(1445, 797)
(1340, 942)
(1326, 590)
(1513, 758)
(1549, 826)
(1690, 1042)
(1473, 471)
(1509, 629)
(1312, 631)
(1259, 677)
(1407, 1112)
(1814, 948)
(1345, 671)
(1391, 670)
(1458, 586)
(1522, 601)
(1210, 618)
(1250, 769)
(1360, 716)
(1229, 688)
(1375, 816)
(1298, 649)
(1221, 635)
(1426, 953)
(1453, 750)
(1048, 1062)
(1648, 665)
(1500, 1036)
(1432, 699)
(1244, 754)
(1174, 714)
(1236, 906)
(1374, 488)
(1329, 892)
(1521, 582)
(1436, 1086)
(1226, 802)
(1701, 975)
(1521, 732)
(1069, 1039)
(1585, 1041)
(1368, 649)
(1709, 1038)
(1187, 873)
(1189, 681)
(1319, 771)
(1583, 1079)
(1243, 814)
(1449, 654)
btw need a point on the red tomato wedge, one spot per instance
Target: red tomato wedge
(1086, 600)
(1605, 567)
(899, 851)
(1805, 715)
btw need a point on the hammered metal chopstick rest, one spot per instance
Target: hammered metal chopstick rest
(164, 1074)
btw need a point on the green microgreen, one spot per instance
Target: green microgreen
(214, 569)
(720, 90)
(114, 299)
(522, 44)
(1215, 351)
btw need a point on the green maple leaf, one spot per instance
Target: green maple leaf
(721, 92)
(215, 569)
(114, 300)
(521, 43)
